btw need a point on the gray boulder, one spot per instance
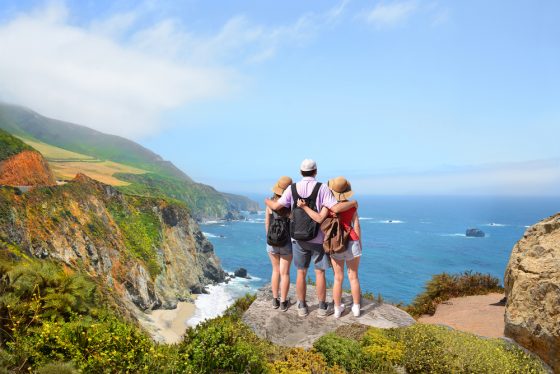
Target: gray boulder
(288, 329)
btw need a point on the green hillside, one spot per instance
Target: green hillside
(80, 139)
(10, 145)
(162, 180)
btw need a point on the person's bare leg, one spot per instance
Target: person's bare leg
(284, 277)
(301, 286)
(320, 285)
(338, 268)
(275, 278)
(353, 278)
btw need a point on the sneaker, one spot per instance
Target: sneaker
(338, 310)
(327, 310)
(356, 310)
(302, 310)
(284, 305)
(275, 303)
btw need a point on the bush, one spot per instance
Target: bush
(104, 345)
(379, 347)
(445, 286)
(35, 291)
(57, 368)
(240, 306)
(435, 349)
(223, 343)
(300, 361)
(349, 354)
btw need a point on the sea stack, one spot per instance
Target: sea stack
(532, 283)
(477, 233)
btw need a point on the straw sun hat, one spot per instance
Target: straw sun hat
(283, 183)
(340, 188)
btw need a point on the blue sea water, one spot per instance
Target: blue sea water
(406, 240)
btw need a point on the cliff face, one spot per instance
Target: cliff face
(532, 283)
(27, 168)
(148, 251)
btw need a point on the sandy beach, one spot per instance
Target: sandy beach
(481, 315)
(171, 324)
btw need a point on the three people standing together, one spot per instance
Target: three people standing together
(327, 200)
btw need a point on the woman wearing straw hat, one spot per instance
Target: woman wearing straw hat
(280, 257)
(342, 191)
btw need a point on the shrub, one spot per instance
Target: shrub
(36, 291)
(349, 354)
(300, 361)
(446, 286)
(223, 343)
(380, 348)
(104, 345)
(435, 349)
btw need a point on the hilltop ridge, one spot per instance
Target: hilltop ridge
(120, 162)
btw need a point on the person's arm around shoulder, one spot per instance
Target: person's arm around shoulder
(284, 201)
(317, 217)
(344, 206)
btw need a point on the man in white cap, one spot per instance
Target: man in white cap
(305, 251)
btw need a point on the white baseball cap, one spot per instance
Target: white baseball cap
(308, 165)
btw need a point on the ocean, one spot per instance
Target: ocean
(406, 240)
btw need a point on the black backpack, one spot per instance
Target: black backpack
(278, 233)
(302, 226)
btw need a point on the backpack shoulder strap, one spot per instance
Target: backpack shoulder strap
(315, 192)
(295, 196)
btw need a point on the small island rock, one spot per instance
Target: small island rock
(241, 273)
(477, 233)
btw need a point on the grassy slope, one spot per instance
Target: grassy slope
(82, 142)
(80, 139)
(10, 145)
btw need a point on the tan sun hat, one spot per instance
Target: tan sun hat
(283, 183)
(341, 188)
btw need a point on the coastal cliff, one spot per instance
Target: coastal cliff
(532, 284)
(148, 251)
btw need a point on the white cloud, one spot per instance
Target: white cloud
(78, 75)
(118, 77)
(541, 177)
(390, 14)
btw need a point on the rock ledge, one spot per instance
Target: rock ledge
(288, 329)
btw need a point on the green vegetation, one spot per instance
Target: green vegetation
(116, 160)
(445, 286)
(203, 201)
(10, 145)
(141, 229)
(51, 322)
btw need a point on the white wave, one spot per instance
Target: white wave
(457, 234)
(527, 226)
(390, 221)
(365, 218)
(493, 224)
(218, 299)
(256, 220)
(210, 222)
(208, 235)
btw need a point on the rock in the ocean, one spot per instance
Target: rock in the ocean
(532, 283)
(477, 233)
(241, 273)
(288, 329)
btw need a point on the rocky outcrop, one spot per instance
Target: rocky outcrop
(532, 283)
(148, 251)
(288, 329)
(476, 233)
(27, 168)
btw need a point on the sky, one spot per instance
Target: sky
(401, 97)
